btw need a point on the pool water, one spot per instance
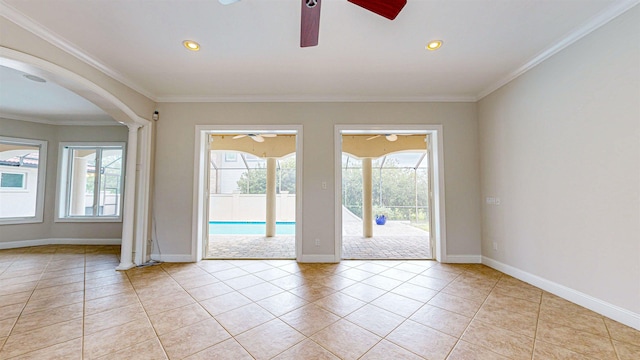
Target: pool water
(249, 228)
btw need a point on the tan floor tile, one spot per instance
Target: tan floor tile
(108, 290)
(339, 304)
(422, 340)
(346, 340)
(71, 349)
(260, 291)
(282, 303)
(2, 340)
(364, 292)
(336, 282)
(211, 290)
(465, 307)
(242, 282)
(429, 282)
(499, 340)
(178, 318)
(17, 288)
(398, 304)
(31, 321)
(229, 273)
(415, 292)
(524, 324)
(465, 351)
(622, 332)
(546, 351)
(223, 303)
(48, 274)
(6, 281)
(466, 291)
(312, 292)
(44, 283)
(388, 350)
(165, 303)
(379, 321)
(18, 344)
(16, 298)
(306, 350)
(579, 321)
(398, 274)
(627, 351)
(271, 274)
(201, 336)
(578, 341)
(150, 349)
(524, 292)
(269, 339)
(57, 290)
(10, 311)
(53, 302)
(116, 338)
(117, 278)
(228, 349)
(244, 318)
(114, 317)
(442, 320)
(288, 282)
(412, 267)
(309, 319)
(109, 303)
(382, 282)
(198, 281)
(356, 274)
(438, 273)
(6, 325)
(511, 303)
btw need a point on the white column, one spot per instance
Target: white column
(79, 186)
(367, 204)
(271, 197)
(126, 250)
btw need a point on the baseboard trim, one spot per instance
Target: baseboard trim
(611, 311)
(463, 259)
(178, 258)
(317, 258)
(58, 241)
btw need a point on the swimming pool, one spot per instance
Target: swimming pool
(249, 228)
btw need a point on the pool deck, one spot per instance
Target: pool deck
(394, 240)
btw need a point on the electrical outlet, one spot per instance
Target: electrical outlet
(324, 185)
(317, 242)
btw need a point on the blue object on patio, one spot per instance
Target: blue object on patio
(381, 219)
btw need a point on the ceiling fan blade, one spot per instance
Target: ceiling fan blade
(227, 2)
(268, 135)
(239, 136)
(391, 137)
(257, 138)
(373, 137)
(386, 8)
(310, 23)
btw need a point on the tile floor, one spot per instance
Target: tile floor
(67, 302)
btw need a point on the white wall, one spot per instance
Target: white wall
(560, 146)
(49, 229)
(175, 154)
(250, 207)
(19, 202)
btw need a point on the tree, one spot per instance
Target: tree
(254, 181)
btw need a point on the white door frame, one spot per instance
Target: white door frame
(201, 168)
(438, 233)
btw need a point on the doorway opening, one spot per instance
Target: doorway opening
(249, 204)
(390, 200)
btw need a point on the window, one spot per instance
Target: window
(22, 178)
(91, 178)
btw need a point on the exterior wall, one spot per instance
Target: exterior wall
(175, 167)
(560, 146)
(19, 202)
(49, 229)
(250, 207)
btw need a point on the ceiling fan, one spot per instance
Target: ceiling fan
(310, 15)
(389, 137)
(255, 137)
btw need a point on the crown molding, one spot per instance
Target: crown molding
(32, 119)
(58, 41)
(591, 25)
(311, 99)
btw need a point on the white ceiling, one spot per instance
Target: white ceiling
(250, 49)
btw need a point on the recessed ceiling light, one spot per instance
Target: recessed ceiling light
(35, 78)
(191, 45)
(434, 45)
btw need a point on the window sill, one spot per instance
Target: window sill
(19, 221)
(89, 220)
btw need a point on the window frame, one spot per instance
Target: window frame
(64, 181)
(41, 179)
